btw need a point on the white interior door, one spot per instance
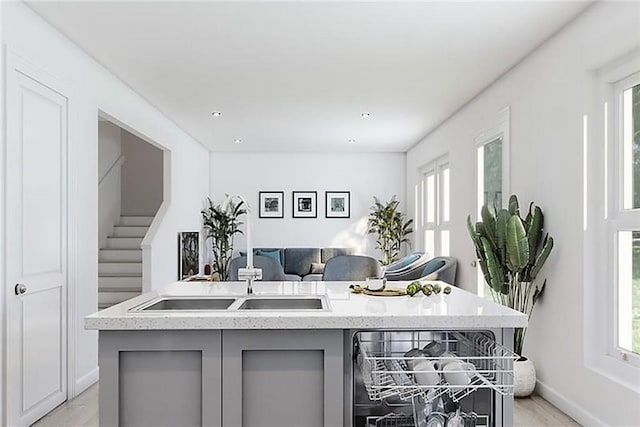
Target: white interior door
(36, 247)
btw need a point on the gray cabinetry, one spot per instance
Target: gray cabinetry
(226, 378)
(160, 378)
(283, 378)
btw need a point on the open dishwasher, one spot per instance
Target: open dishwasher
(430, 378)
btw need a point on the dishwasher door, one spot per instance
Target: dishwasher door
(390, 386)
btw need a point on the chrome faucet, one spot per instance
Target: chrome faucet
(249, 273)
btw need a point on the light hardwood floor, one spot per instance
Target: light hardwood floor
(79, 412)
(534, 411)
(82, 411)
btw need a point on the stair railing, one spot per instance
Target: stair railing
(119, 161)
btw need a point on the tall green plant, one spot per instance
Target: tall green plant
(511, 251)
(222, 225)
(391, 227)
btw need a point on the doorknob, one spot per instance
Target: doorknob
(20, 289)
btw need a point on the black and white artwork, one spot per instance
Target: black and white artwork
(337, 204)
(305, 204)
(271, 204)
(188, 254)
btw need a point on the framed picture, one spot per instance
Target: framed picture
(337, 204)
(188, 254)
(305, 204)
(271, 204)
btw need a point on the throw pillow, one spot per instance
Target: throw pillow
(404, 262)
(271, 254)
(317, 268)
(433, 265)
(244, 253)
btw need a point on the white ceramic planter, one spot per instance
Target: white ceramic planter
(524, 377)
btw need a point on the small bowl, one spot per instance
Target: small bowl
(458, 373)
(433, 349)
(426, 373)
(444, 359)
(412, 357)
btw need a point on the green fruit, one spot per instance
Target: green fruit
(414, 288)
(447, 290)
(437, 288)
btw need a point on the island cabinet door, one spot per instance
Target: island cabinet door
(160, 378)
(284, 378)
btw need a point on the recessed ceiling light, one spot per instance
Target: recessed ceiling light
(216, 113)
(365, 115)
(237, 141)
(351, 141)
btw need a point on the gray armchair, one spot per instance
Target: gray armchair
(351, 267)
(271, 269)
(440, 268)
(408, 268)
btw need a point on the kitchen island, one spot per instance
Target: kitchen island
(205, 354)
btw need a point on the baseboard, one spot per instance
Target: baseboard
(569, 407)
(86, 381)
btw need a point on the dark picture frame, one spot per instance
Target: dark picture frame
(337, 204)
(271, 204)
(188, 254)
(305, 204)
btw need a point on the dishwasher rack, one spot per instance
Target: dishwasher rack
(404, 420)
(386, 373)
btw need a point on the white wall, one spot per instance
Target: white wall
(93, 88)
(364, 175)
(548, 94)
(141, 176)
(109, 194)
(2, 235)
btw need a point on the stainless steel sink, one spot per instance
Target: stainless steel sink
(283, 303)
(186, 304)
(251, 302)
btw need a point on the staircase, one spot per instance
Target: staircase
(120, 261)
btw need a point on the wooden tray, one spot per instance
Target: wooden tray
(388, 292)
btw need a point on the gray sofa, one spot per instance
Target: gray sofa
(300, 263)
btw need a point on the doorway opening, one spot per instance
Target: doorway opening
(130, 192)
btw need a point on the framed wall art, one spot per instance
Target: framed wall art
(337, 204)
(305, 204)
(271, 204)
(188, 254)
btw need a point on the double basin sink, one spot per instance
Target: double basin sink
(243, 303)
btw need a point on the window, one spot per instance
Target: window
(612, 223)
(435, 185)
(624, 219)
(611, 151)
(629, 291)
(492, 154)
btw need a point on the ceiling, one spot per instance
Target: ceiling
(296, 76)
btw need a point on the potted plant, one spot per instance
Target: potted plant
(391, 227)
(222, 225)
(511, 251)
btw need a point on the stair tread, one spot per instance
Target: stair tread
(119, 262)
(123, 242)
(124, 275)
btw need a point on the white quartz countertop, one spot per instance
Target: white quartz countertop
(460, 309)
